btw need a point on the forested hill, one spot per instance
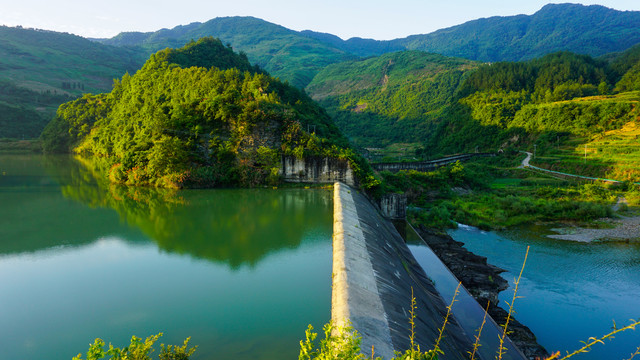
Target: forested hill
(397, 97)
(454, 105)
(176, 123)
(40, 69)
(284, 53)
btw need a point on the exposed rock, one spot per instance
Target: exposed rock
(484, 282)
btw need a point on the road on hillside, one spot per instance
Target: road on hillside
(525, 164)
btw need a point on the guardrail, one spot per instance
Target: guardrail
(426, 165)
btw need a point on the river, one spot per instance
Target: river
(570, 291)
(243, 272)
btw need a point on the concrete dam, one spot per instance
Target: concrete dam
(374, 274)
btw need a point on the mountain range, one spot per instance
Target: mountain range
(44, 63)
(296, 56)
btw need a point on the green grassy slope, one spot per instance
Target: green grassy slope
(43, 60)
(561, 105)
(39, 70)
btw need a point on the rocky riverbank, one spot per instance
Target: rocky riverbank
(484, 283)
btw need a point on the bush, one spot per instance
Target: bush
(138, 350)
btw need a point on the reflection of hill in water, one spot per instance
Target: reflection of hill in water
(233, 226)
(34, 215)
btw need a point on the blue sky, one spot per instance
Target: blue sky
(375, 19)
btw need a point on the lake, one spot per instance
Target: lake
(243, 272)
(570, 291)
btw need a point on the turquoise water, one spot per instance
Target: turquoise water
(243, 272)
(469, 314)
(570, 291)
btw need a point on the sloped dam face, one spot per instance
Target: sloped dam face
(374, 278)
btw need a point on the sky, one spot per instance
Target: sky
(376, 19)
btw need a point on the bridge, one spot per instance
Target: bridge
(426, 165)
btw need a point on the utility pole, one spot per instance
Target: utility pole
(535, 146)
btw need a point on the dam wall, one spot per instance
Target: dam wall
(316, 169)
(374, 275)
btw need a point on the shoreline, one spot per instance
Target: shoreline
(626, 228)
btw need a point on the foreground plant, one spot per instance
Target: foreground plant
(139, 350)
(501, 348)
(593, 340)
(339, 343)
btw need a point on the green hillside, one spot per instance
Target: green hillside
(24, 112)
(397, 97)
(498, 101)
(178, 124)
(44, 68)
(297, 56)
(563, 105)
(284, 53)
(40, 69)
(42, 60)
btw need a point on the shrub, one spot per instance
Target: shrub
(138, 350)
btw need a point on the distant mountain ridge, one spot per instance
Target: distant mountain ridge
(592, 30)
(589, 30)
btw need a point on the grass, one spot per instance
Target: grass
(613, 155)
(495, 196)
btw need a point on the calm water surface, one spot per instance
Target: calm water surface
(571, 291)
(240, 271)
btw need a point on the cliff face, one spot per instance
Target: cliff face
(484, 282)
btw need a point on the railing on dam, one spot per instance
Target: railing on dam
(426, 165)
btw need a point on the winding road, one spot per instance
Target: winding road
(525, 165)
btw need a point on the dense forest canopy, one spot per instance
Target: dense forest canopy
(176, 123)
